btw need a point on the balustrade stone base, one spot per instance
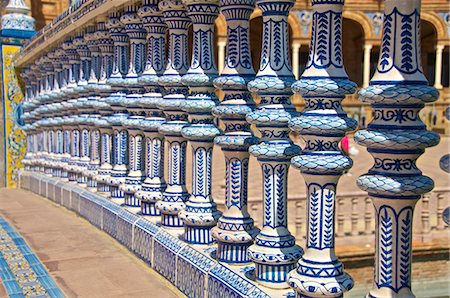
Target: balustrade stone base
(192, 269)
(233, 253)
(149, 209)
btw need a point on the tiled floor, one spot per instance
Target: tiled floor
(83, 261)
(21, 272)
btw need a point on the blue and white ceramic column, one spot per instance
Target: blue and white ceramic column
(83, 105)
(27, 108)
(200, 214)
(444, 162)
(58, 158)
(395, 138)
(69, 92)
(137, 36)
(154, 184)
(62, 59)
(106, 46)
(116, 100)
(175, 195)
(322, 125)
(274, 251)
(235, 229)
(93, 97)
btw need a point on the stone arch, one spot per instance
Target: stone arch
(256, 13)
(438, 24)
(361, 19)
(295, 24)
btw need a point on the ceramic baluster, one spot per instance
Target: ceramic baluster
(106, 46)
(137, 36)
(69, 93)
(91, 42)
(444, 162)
(235, 229)
(154, 184)
(175, 195)
(322, 124)
(274, 252)
(201, 213)
(116, 101)
(83, 91)
(27, 108)
(395, 138)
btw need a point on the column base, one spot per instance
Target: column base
(233, 253)
(171, 221)
(91, 183)
(73, 177)
(387, 292)
(56, 172)
(274, 257)
(198, 235)
(131, 200)
(149, 209)
(273, 276)
(103, 188)
(116, 193)
(317, 279)
(82, 180)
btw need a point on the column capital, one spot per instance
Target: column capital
(368, 46)
(439, 47)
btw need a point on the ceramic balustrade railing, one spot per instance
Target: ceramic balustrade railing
(101, 105)
(355, 216)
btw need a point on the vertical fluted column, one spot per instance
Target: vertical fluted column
(200, 213)
(116, 100)
(395, 138)
(154, 184)
(322, 124)
(106, 46)
(274, 252)
(137, 36)
(175, 194)
(235, 229)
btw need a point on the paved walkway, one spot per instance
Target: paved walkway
(83, 261)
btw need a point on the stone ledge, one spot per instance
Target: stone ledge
(192, 269)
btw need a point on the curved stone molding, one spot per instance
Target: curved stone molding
(322, 125)
(235, 229)
(396, 138)
(274, 252)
